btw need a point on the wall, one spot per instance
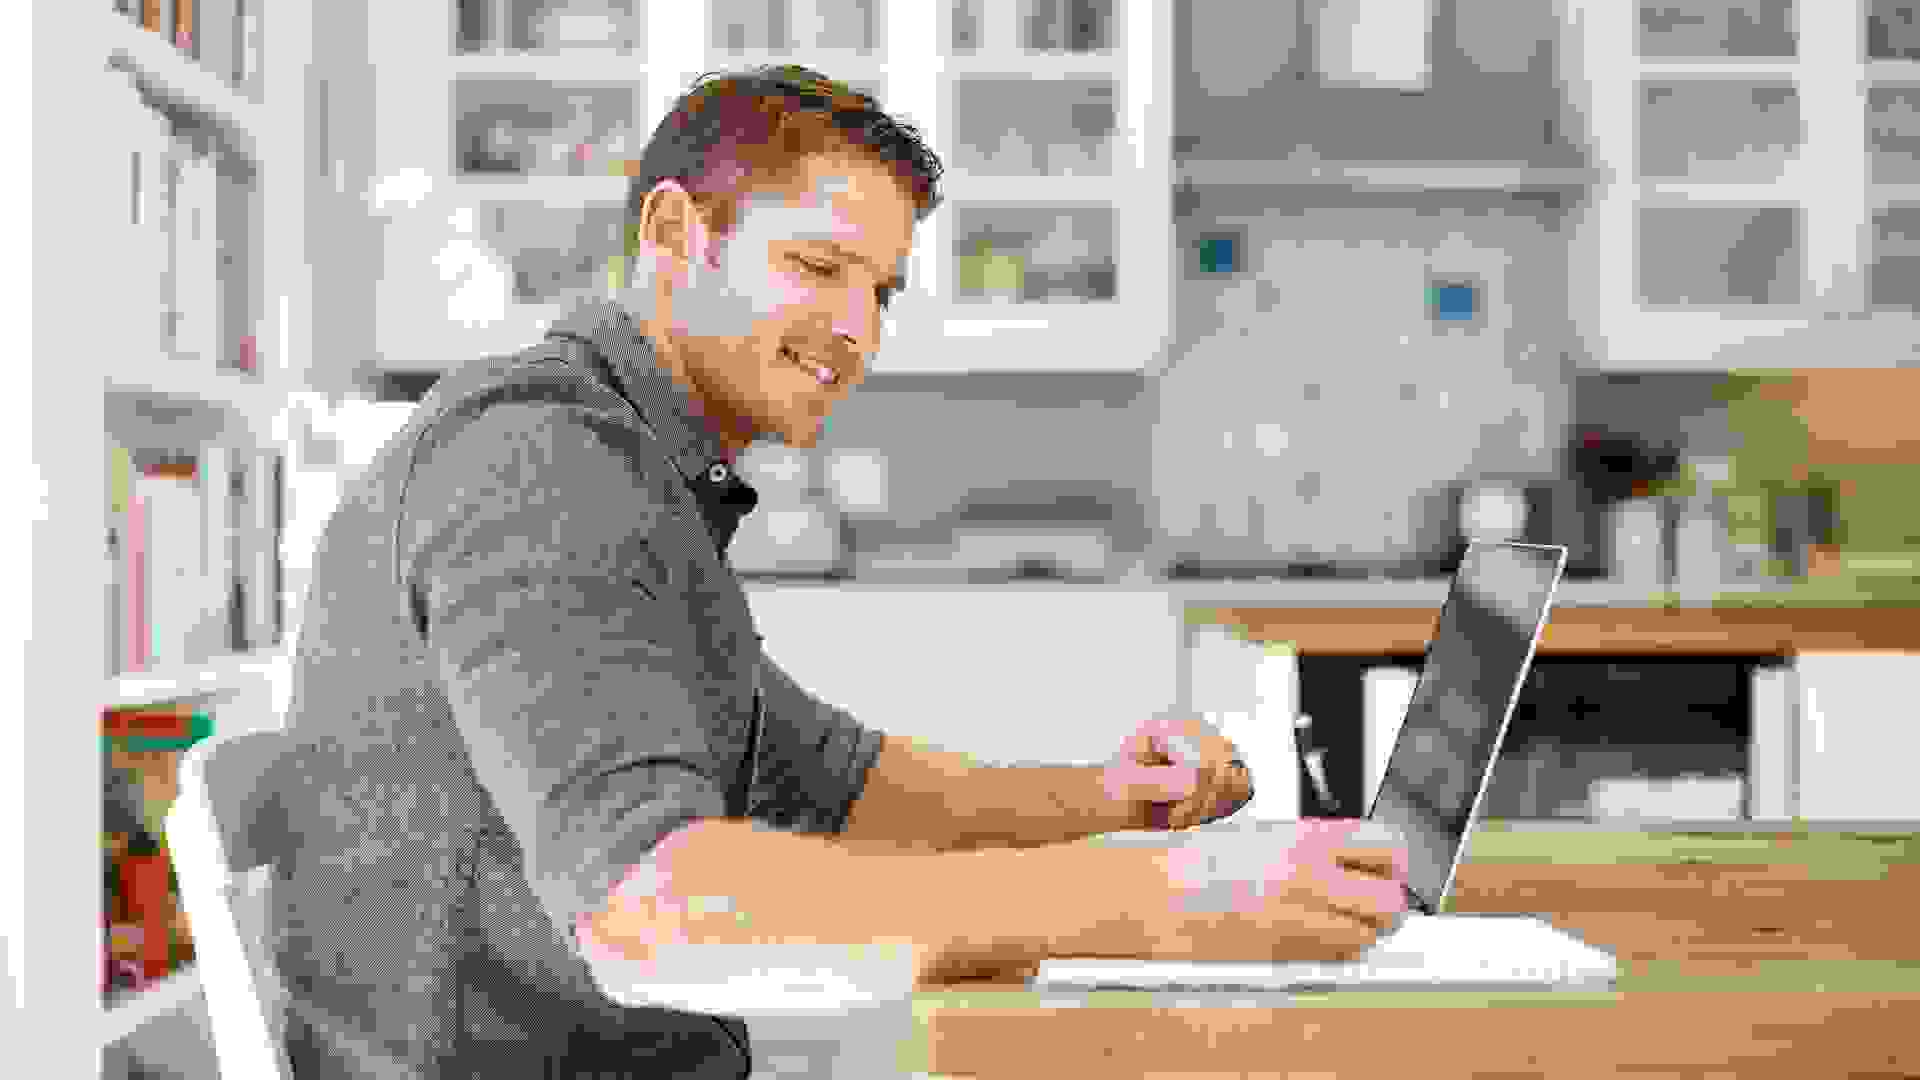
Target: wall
(1006, 436)
(1315, 410)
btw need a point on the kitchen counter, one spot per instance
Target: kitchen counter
(1786, 954)
(1381, 617)
(1602, 630)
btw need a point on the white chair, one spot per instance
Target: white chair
(225, 871)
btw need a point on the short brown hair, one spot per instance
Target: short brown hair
(762, 123)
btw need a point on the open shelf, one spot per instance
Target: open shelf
(181, 379)
(126, 1016)
(862, 71)
(1465, 176)
(977, 188)
(178, 81)
(1034, 65)
(216, 675)
(584, 66)
(1710, 68)
(558, 192)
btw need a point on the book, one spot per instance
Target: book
(175, 540)
(252, 552)
(233, 308)
(217, 35)
(144, 746)
(248, 51)
(144, 888)
(216, 556)
(155, 255)
(264, 527)
(140, 244)
(196, 256)
(183, 27)
(152, 728)
(169, 217)
(119, 490)
(138, 654)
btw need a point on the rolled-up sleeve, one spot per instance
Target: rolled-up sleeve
(525, 551)
(813, 757)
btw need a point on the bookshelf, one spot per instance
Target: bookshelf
(1086, 211)
(1757, 155)
(170, 204)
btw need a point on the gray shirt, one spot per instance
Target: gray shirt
(524, 662)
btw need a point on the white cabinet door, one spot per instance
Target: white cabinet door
(1251, 693)
(1011, 676)
(1859, 736)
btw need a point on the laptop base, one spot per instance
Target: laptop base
(1428, 952)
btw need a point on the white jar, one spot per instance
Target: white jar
(1634, 526)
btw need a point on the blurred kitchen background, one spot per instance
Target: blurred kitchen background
(1240, 306)
(1240, 320)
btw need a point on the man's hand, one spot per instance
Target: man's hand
(1178, 773)
(1323, 890)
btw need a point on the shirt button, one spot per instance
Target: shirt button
(717, 473)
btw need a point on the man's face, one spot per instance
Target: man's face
(797, 287)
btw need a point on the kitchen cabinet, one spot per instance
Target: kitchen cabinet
(1832, 728)
(1858, 736)
(1832, 740)
(1012, 675)
(1053, 117)
(1756, 201)
(505, 135)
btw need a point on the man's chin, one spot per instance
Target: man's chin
(803, 433)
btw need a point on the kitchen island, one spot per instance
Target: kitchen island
(1748, 954)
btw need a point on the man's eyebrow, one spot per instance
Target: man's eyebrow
(895, 282)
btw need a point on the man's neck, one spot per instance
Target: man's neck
(671, 356)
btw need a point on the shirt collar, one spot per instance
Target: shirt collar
(669, 408)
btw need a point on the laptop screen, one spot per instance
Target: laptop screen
(1474, 670)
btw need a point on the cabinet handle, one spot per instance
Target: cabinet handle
(1818, 720)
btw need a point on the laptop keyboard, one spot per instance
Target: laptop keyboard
(1454, 951)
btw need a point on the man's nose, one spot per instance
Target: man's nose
(858, 323)
(852, 353)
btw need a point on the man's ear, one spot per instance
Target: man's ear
(672, 237)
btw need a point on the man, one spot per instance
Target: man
(540, 748)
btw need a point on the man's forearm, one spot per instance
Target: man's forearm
(1024, 806)
(919, 797)
(735, 883)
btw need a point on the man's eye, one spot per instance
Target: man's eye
(822, 269)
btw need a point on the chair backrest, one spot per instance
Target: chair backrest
(224, 844)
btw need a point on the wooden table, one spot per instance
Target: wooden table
(1779, 960)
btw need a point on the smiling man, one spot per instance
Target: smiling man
(542, 761)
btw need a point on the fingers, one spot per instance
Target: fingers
(1358, 890)
(1379, 862)
(1321, 933)
(1130, 781)
(1222, 788)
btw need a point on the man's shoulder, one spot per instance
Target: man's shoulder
(544, 392)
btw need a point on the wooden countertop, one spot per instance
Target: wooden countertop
(1789, 960)
(1750, 631)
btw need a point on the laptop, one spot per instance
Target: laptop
(1435, 780)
